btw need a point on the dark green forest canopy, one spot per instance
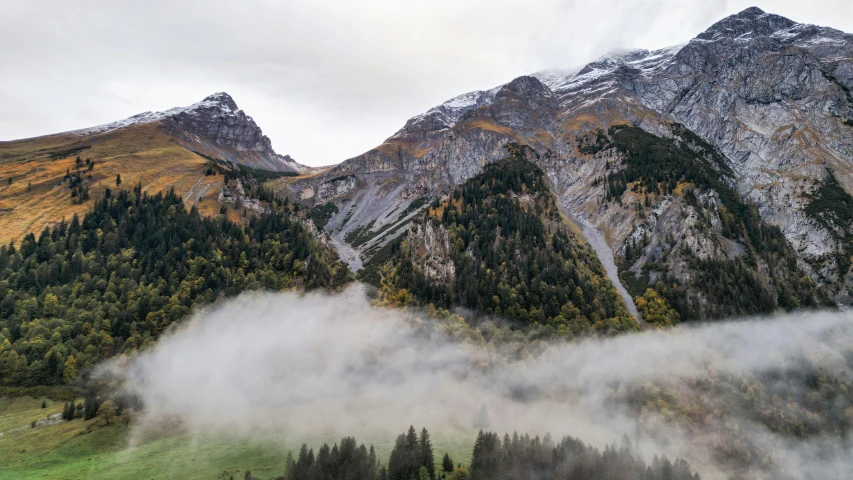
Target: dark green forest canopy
(113, 281)
(514, 256)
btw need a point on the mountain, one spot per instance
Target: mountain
(686, 170)
(713, 176)
(40, 178)
(215, 125)
(499, 246)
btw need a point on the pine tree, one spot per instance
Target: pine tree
(90, 407)
(397, 461)
(427, 458)
(290, 466)
(409, 454)
(446, 464)
(118, 180)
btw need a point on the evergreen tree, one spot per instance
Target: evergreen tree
(525, 457)
(290, 467)
(446, 464)
(90, 406)
(427, 458)
(347, 461)
(409, 454)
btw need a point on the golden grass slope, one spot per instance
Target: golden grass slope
(142, 153)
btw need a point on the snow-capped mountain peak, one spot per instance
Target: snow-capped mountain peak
(219, 102)
(577, 79)
(215, 124)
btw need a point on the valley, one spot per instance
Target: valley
(639, 268)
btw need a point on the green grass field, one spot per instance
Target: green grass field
(93, 450)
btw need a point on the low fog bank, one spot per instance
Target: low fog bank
(314, 364)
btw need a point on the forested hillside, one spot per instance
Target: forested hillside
(721, 259)
(499, 246)
(112, 281)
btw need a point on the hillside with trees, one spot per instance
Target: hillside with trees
(663, 265)
(113, 281)
(509, 253)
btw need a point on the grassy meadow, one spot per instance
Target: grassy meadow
(93, 450)
(143, 153)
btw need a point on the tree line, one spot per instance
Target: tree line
(516, 457)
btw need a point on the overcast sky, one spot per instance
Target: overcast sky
(325, 80)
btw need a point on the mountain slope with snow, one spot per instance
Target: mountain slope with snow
(185, 149)
(215, 124)
(763, 101)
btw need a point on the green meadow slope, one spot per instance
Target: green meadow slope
(93, 450)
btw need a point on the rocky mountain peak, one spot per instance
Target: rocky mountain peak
(752, 20)
(526, 86)
(216, 125)
(217, 122)
(770, 96)
(221, 99)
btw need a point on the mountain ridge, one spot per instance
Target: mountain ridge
(761, 90)
(766, 100)
(217, 118)
(188, 149)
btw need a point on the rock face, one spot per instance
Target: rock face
(771, 97)
(430, 249)
(216, 127)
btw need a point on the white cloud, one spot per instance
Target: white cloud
(302, 366)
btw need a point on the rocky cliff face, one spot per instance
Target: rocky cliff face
(216, 127)
(430, 249)
(774, 97)
(769, 99)
(219, 125)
